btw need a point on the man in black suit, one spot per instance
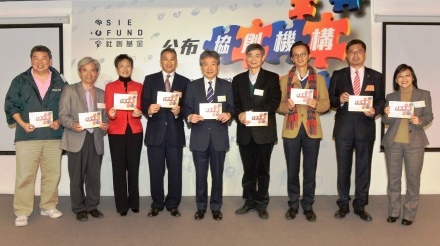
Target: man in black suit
(256, 90)
(355, 130)
(165, 136)
(209, 139)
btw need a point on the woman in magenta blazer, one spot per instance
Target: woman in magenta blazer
(125, 135)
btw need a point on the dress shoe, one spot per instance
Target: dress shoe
(135, 210)
(123, 214)
(217, 214)
(406, 222)
(363, 214)
(342, 211)
(291, 213)
(263, 214)
(310, 215)
(96, 213)
(81, 216)
(392, 219)
(175, 212)
(154, 212)
(243, 210)
(200, 214)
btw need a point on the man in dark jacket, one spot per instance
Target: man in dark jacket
(32, 104)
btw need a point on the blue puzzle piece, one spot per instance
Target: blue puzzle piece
(326, 76)
(339, 5)
(282, 39)
(223, 42)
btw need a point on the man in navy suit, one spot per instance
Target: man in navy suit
(355, 130)
(209, 139)
(256, 90)
(165, 136)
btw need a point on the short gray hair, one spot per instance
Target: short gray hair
(86, 60)
(209, 53)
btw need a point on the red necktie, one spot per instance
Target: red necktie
(357, 84)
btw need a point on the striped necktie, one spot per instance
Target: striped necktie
(167, 84)
(210, 93)
(357, 84)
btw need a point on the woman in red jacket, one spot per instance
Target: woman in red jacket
(125, 134)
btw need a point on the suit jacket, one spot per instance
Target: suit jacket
(349, 124)
(322, 106)
(73, 101)
(163, 122)
(118, 125)
(417, 136)
(202, 131)
(269, 83)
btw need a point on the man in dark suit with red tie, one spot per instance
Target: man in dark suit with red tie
(355, 130)
(209, 139)
(256, 90)
(165, 136)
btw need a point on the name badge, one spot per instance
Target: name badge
(419, 104)
(221, 98)
(101, 105)
(258, 92)
(369, 88)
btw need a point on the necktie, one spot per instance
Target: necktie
(357, 84)
(89, 104)
(167, 83)
(210, 93)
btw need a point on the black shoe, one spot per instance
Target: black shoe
(342, 211)
(200, 214)
(175, 212)
(392, 219)
(406, 222)
(82, 216)
(217, 214)
(263, 214)
(135, 210)
(96, 213)
(363, 214)
(123, 214)
(154, 212)
(310, 215)
(291, 213)
(243, 210)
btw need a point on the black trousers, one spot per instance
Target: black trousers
(209, 160)
(125, 150)
(85, 168)
(170, 157)
(344, 156)
(256, 177)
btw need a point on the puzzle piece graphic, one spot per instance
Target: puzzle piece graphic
(223, 41)
(302, 9)
(326, 76)
(324, 38)
(282, 39)
(339, 5)
(249, 35)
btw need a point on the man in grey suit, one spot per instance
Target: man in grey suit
(84, 147)
(209, 139)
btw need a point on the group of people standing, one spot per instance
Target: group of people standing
(42, 88)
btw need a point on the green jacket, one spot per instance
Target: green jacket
(23, 97)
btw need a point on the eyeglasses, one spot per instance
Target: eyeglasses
(356, 52)
(296, 56)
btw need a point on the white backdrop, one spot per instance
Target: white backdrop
(197, 28)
